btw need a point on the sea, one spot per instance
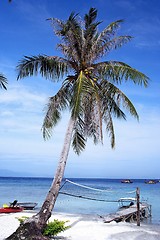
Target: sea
(82, 195)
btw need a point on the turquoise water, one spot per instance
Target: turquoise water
(35, 190)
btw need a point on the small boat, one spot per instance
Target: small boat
(11, 209)
(27, 205)
(126, 181)
(126, 202)
(151, 182)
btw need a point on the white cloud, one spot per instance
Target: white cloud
(22, 142)
(6, 113)
(20, 94)
(21, 110)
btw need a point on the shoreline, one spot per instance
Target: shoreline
(86, 227)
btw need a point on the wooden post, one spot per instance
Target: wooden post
(138, 206)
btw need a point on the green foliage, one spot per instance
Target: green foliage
(89, 86)
(3, 81)
(55, 227)
(22, 219)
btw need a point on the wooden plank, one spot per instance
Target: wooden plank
(138, 206)
(123, 214)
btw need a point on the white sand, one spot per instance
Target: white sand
(86, 227)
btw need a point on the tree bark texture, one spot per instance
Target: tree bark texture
(32, 229)
(28, 231)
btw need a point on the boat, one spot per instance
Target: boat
(151, 182)
(24, 205)
(126, 181)
(11, 209)
(27, 205)
(126, 202)
(127, 211)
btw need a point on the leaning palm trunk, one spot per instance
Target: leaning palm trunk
(49, 203)
(32, 229)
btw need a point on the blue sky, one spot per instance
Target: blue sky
(25, 31)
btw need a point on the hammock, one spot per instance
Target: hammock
(88, 198)
(84, 197)
(83, 186)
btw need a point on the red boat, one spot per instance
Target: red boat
(11, 209)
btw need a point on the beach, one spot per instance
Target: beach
(86, 227)
(83, 215)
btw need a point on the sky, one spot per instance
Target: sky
(23, 151)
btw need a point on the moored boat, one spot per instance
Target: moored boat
(126, 202)
(27, 205)
(126, 181)
(151, 182)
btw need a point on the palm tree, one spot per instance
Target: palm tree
(3, 81)
(89, 90)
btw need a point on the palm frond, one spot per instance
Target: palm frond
(48, 67)
(107, 45)
(54, 107)
(80, 87)
(110, 128)
(79, 141)
(109, 31)
(70, 32)
(74, 37)
(92, 119)
(111, 105)
(98, 107)
(61, 28)
(118, 71)
(89, 34)
(90, 24)
(126, 103)
(114, 99)
(103, 38)
(57, 25)
(90, 17)
(3, 81)
(115, 43)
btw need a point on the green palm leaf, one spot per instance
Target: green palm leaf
(3, 81)
(78, 143)
(110, 128)
(81, 88)
(79, 140)
(119, 71)
(89, 91)
(55, 106)
(48, 67)
(115, 99)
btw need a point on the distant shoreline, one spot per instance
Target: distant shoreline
(82, 178)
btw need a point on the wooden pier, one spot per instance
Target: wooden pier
(133, 211)
(129, 214)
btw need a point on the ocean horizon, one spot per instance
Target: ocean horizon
(105, 192)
